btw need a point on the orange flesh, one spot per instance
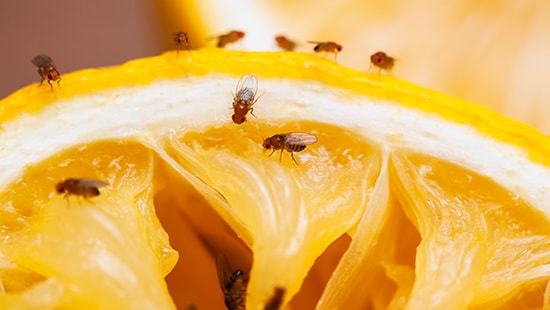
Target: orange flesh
(504, 237)
(433, 204)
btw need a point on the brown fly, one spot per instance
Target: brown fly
(327, 47)
(47, 69)
(382, 61)
(230, 37)
(292, 142)
(182, 41)
(276, 301)
(244, 98)
(284, 43)
(232, 283)
(86, 188)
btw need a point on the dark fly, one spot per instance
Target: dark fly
(86, 188)
(244, 98)
(292, 142)
(47, 69)
(276, 301)
(233, 284)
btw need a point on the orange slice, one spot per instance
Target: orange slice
(408, 199)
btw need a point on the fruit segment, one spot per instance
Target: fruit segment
(358, 263)
(285, 207)
(480, 242)
(82, 253)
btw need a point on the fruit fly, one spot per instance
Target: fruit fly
(230, 37)
(233, 284)
(382, 61)
(284, 43)
(86, 188)
(276, 301)
(292, 142)
(47, 70)
(244, 98)
(328, 47)
(182, 41)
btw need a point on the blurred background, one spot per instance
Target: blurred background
(492, 52)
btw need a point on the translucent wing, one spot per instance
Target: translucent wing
(92, 183)
(42, 60)
(247, 82)
(223, 270)
(317, 42)
(300, 138)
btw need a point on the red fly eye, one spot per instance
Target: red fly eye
(59, 188)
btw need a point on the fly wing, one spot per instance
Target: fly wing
(42, 60)
(300, 138)
(92, 183)
(223, 270)
(247, 81)
(316, 42)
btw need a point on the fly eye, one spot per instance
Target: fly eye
(59, 188)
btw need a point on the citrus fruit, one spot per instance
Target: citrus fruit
(408, 199)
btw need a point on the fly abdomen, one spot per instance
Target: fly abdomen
(94, 191)
(234, 301)
(295, 148)
(87, 192)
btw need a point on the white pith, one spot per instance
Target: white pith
(192, 102)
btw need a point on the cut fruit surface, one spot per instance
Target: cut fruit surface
(409, 199)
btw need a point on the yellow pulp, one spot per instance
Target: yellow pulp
(437, 213)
